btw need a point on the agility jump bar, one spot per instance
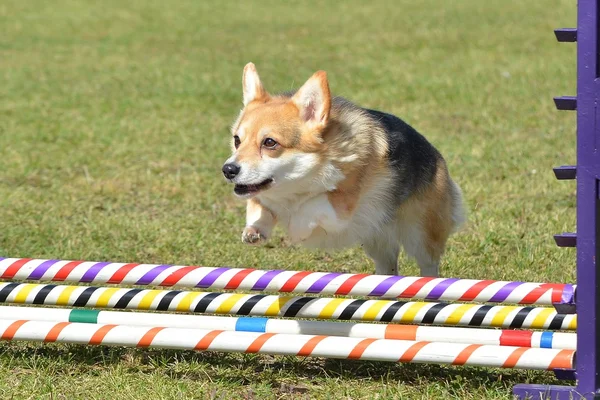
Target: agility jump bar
(430, 313)
(496, 337)
(330, 283)
(285, 344)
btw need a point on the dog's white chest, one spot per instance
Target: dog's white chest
(313, 222)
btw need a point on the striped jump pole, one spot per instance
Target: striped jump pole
(285, 344)
(518, 338)
(290, 307)
(324, 283)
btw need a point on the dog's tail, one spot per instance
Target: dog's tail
(459, 210)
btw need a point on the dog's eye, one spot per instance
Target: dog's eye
(236, 141)
(269, 143)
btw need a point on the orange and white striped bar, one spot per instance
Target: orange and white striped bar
(453, 314)
(496, 337)
(333, 283)
(285, 344)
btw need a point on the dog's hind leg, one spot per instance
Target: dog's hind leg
(425, 248)
(426, 221)
(430, 268)
(384, 253)
(424, 234)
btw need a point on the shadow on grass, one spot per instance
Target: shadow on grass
(245, 369)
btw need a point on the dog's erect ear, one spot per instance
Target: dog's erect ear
(313, 100)
(253, 88)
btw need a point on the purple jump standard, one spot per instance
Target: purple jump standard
(588, 212)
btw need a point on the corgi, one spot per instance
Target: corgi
(335, 175)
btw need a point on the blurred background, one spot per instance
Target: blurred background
(114, 124)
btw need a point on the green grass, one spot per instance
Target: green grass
(114, 124)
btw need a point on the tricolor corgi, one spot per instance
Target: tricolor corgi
(334, 175)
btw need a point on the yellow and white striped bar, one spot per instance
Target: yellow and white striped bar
(455, 314)
(284, 344)
(496, 337)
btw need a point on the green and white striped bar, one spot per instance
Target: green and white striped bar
(496, 337)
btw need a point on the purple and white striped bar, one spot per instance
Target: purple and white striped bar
(330, 283)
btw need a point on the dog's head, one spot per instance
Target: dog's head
(277, 140)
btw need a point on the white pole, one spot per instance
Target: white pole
(286, 344)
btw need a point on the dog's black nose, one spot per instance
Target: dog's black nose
(231, 170)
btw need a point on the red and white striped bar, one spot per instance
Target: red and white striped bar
(496, 337)
(333, 283)
(284, 344)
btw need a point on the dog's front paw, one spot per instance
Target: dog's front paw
(251, 235)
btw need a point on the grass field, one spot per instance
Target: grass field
(114, 124)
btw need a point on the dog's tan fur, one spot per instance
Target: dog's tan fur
(338, 157)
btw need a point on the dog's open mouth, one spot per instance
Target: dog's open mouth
(243, 190)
